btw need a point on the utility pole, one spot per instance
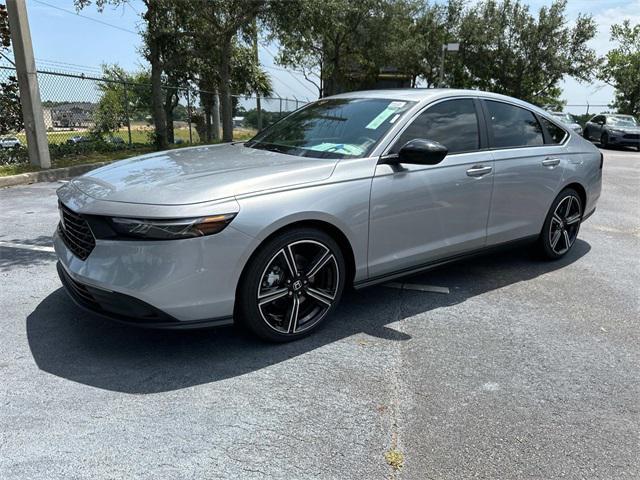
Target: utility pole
(447, 47)
(37, 144)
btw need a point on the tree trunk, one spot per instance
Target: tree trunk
(157, 104)
(216, 116)
(169, 105)
(225, 91)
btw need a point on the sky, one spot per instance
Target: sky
(66, 41)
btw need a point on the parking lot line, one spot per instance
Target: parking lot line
(24, 246)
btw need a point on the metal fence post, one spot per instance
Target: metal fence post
(126, 111)
(280, 106)
(189, 115)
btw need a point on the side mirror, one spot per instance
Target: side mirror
(422, 152)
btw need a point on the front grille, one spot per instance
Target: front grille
(632, 136)
(75, 233)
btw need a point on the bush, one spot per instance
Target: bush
(12, 156)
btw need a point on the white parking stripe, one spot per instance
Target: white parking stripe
(24, 246)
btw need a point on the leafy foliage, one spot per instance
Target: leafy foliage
(621, 68)
(506, 49)
(11, 117)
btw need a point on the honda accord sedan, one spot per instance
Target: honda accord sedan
(349, 191)
(610, 130)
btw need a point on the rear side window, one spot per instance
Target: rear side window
(513, 126)
(556, 134)
(453, 123)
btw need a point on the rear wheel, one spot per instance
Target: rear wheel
(562, 224)
(292, 285)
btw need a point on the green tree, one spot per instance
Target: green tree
(506, 49)
(11, 117)
(347, 41)
(121, 94)
(621, 68)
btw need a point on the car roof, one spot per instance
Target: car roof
(426, 95)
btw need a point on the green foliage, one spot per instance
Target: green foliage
(621, 68)
(506, 49)
(347, 41)
(13, 156)
(10, 108)
(268, 118)
(11, 116)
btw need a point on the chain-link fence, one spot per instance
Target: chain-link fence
(84, 114)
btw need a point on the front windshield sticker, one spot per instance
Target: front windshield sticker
(392, 108)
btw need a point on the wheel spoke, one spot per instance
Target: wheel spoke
(555, 238)
(322, 261)
(292, 315)
(320, 295)
(573, 219)
(312, 293)
(272, 296)
(556, 218)
(568, 210)
(566, 239)
(290, 261)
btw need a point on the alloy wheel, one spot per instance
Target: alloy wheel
(565, 224)
(298, 286)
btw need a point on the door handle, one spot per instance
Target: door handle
(551, 162)
(478, 171)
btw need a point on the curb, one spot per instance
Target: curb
(48, 175)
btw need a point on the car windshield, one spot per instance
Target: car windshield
(332, 128)
(626, 121)
(564, 117)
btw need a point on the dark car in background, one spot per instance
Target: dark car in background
(609, 130)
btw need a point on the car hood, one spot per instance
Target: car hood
(200, 174)
(626, 129)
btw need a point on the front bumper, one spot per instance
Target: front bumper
(624, 141)
(170, 284)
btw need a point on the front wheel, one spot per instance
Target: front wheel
(604, 140)
(291, 285)
(562, 224)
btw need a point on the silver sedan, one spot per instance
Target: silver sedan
(351, 190)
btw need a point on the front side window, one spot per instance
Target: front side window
(453, 123)
(333, 128)
(513, 126)
(556, 134)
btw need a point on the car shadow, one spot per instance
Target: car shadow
(79, 346)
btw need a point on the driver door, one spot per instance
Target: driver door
(424, 213)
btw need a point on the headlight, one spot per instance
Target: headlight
(616, 132)
(171, 229)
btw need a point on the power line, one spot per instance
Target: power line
(107, 24)
(289, 72)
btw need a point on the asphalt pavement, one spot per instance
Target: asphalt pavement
(525, 370)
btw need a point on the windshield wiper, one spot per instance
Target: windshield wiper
(272, 147)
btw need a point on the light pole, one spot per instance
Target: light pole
(447, 47)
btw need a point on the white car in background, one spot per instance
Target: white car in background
(9, 142)
(568, 120)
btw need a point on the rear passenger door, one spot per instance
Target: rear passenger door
(528, 153)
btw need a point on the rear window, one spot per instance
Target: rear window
(513, 126)
(556, 134)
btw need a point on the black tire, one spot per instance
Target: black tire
(585, 134)
(561, 227)
(604, 140)
(310, 296)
